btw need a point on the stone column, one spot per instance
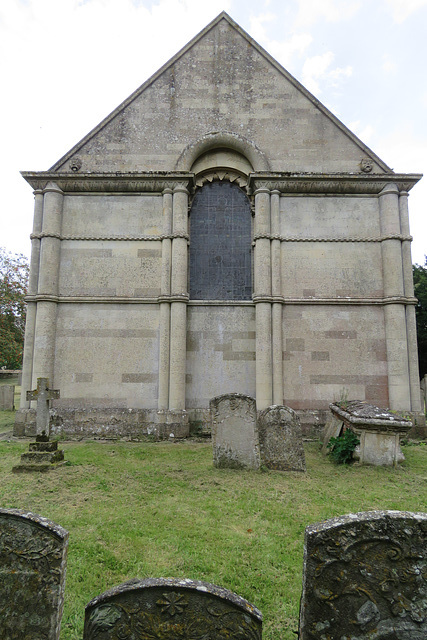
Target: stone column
(408, 285)
(50, 246)
(276, 292)
(165, 290)
(394, 312)
(179, 297)
(262, 298)
(30, 323)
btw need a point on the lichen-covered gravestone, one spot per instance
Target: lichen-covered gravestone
(167, 608)
(365, 578)
(33, 554)
(234, 432)
(280, 439)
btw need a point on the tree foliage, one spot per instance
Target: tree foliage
(420, 286)
(14, 271)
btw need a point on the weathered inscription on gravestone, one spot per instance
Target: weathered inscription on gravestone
(234, 432)
(7, 395)
(42, 394)
(33, 554)
(365, 578)
(280, 439)
(168, 608)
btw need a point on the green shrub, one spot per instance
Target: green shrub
(341, 448)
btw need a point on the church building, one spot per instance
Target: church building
(221, 231)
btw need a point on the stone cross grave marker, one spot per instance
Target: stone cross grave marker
(42, 395)
(171, 608)
(33, 557)
(234, 432)
(365, 578)
(280, 439)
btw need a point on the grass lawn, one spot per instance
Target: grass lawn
(161, 509)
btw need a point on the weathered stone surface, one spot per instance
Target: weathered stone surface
(280, 439)
(43, 395)
(43, 455)
(332, 429)
(365, 578)
(167, 608)
(33, 554)
(7, 394)
(234, 432)
(379, 432)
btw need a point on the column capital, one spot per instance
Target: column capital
(389, 188)
(52, 187)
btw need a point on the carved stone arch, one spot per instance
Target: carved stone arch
(223, 140)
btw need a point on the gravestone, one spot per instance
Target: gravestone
(7, 395)
(332, 429)
(167, 608)
(234, 432)
(280, 439)
(379, 431)
(33, 554)
(365, 578)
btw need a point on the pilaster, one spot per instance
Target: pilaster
(394, 313)
(276, 292)
(179, 299)
(50, 246)
(408, 285)
(165, 289)
(30, 322)
(262, 299)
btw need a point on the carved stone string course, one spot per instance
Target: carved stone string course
(170, 608)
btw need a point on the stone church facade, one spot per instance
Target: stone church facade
(221, 231)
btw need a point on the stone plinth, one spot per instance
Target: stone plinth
(379, 432)
(43, 455)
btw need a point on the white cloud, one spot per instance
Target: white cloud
(309, 11)
(285, 51)
(316, 73)
(402, 9)
(388, 64)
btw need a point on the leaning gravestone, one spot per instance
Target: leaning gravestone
(365, 578)
(280, 439)
(167, 608)
(33, 554)
(234, 431)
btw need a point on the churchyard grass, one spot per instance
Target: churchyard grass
(162, 509)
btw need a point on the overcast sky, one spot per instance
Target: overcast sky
(66, 64)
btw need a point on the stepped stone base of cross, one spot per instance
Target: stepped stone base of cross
(43, 454)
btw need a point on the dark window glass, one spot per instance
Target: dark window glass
(220, 243)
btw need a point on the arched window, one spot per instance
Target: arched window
(220, 243)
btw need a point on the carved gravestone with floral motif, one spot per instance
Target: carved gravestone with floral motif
(167, 609)
(365, 578)
(33, 554)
